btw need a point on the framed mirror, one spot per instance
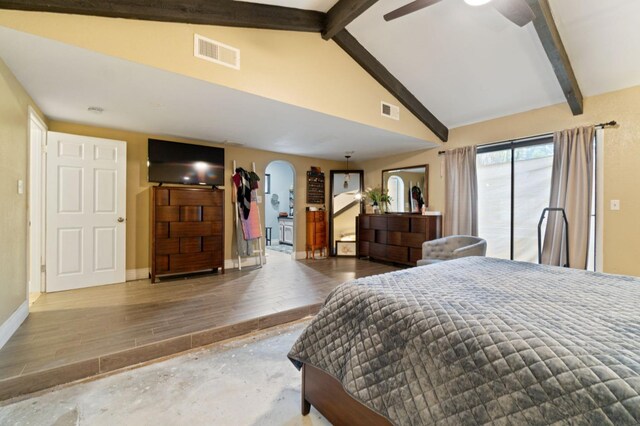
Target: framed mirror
(408, 188)
(344, 206)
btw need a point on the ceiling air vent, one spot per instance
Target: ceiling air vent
(391, 111)
(214, 51)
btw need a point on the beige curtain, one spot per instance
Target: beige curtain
(571, 188)
(461, 192)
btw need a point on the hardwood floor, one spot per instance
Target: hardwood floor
(79, 333)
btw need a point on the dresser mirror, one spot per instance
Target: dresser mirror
(408, 188)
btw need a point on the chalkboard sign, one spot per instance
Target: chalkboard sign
(315, 188)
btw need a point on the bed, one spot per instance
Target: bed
(475, 341)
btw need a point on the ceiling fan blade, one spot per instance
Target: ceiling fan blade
(414, 6)
(517, 11)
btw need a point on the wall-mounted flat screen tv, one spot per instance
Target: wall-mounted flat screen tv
(172, 162)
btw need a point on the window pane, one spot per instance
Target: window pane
(532, 188)
(494, 201)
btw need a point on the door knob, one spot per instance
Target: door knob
(121, 219)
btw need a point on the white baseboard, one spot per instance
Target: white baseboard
(15, 320)
(301, 255)
(137, 274)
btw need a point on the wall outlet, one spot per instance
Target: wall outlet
(615, 204)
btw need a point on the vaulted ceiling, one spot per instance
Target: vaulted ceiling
(469, 64)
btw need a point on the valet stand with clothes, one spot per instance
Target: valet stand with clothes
(247, 221)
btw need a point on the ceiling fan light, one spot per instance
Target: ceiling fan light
(476, 2)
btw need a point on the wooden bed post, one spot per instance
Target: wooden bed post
(305, 406)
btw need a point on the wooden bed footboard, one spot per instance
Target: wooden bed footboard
(326, 394)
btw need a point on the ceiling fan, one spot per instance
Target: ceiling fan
(517, 11)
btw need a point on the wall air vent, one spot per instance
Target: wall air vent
(391, 111)
(214, 51)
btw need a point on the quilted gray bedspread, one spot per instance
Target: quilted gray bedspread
(484, 341)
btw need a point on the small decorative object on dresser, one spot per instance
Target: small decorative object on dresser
(316, 232)
(187, 230)
(379, 199)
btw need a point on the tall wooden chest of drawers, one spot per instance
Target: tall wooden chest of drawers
(316, 232)
(395, 237)
(187, 230)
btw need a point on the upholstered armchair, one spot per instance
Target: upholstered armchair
(452, 247)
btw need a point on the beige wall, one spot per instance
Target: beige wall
(621, 163)
(297, 68)
(138, 189)
(14, 150)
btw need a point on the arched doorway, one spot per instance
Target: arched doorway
(279, 206)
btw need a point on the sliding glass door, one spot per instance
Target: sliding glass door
(514, 184)
(494, 201)
(532, 188)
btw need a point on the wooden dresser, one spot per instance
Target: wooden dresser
(316, 233)
(187, 230)
(395, 237)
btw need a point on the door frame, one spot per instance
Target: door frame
(296, 216)
(36, 204)
(332, 173)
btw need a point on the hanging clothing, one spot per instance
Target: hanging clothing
(242, 181)
(245, 182)
(245, 248)
(251, 228)
(253, 180)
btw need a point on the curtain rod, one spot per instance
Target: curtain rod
(611, 123)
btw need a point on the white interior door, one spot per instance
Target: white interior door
(86, 205)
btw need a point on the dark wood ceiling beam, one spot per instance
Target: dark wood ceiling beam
(342, 14)
(552, 43)
(370, 64)
(206, 12)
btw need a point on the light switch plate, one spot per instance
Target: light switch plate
(615, 204)
(259, 199)
(20, 187)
